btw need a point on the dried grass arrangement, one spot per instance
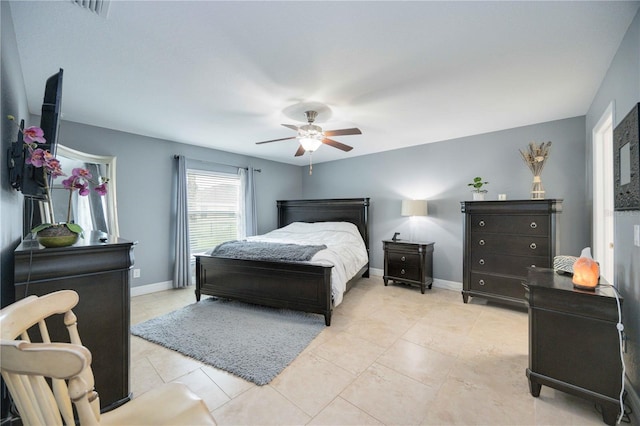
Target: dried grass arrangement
(535, 158)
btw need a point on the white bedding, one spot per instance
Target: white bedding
(345, 250)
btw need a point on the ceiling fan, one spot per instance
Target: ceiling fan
(312, 136)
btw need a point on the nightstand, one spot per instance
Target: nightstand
(573, 340)
(409, 262)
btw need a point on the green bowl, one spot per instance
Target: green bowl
(58, 240)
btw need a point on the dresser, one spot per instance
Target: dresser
(573, 340)
(98, 270)
(502, 239)
(409, 262)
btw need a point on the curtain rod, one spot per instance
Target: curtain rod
(219, 164)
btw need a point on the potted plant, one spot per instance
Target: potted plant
(57, 234)
(477, 184)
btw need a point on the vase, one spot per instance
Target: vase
(537, 191)
(478, 196)
(57, 236)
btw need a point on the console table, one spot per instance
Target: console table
(573, 340)
(97, 268)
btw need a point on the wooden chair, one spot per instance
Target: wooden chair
(25, 365)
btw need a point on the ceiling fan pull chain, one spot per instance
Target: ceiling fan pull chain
(310, 163)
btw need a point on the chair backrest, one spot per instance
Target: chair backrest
(26, 364)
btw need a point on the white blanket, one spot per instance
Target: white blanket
(345, 250)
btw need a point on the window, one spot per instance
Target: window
(213, 201)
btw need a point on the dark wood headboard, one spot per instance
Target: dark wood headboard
(354, 210)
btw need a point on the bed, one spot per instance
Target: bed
(303, 286)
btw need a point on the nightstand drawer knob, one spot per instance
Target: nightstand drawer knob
(533, 225)
(481, 261)
(481, 223)
(533, 246)
(481, 282)
(481, 242)
(402, 271)
(403, 258)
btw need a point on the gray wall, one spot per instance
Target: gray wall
(622, 86)
(14, 102)
(145, 177)
(440, 172)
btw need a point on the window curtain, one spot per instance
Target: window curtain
(248, 211)
(181, 269)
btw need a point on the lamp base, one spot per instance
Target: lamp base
(585, 287)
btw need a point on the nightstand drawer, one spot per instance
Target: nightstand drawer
(511, 224)
(518, 245)
(404, 265)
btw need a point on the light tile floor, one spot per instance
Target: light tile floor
(392, 356)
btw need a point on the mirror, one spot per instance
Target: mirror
(92, 212)
(626, 161)
(625, 164)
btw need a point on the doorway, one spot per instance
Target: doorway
(603, 218)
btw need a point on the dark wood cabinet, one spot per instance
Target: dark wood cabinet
(408, 262)
(573, 340)
(501, 240)
(98, 270)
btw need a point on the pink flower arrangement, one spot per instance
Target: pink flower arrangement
(79, 180)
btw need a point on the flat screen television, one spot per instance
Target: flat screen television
(24, 177)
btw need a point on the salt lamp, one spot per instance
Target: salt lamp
(586, 271)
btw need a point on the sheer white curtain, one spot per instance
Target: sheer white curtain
(181, 269)
(248, 212)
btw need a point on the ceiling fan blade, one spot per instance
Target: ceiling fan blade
(276, 140)
(342, 132)
(300, 151)
(291, 126)
(337, 144)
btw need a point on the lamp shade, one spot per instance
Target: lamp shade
(414, 208)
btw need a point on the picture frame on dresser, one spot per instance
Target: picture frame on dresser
(626, 161)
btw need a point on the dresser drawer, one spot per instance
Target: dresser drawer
(511, 224)
(505, 264)
(503, 286)
(518, 245)
(403, 265)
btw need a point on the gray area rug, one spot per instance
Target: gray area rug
(250, 341)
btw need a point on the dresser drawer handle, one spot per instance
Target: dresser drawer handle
(402, 271)
(481, 223)
(403, 258)
(533, 246)
(481, 242)
(481, 261)
(533, 225)
(481, 282)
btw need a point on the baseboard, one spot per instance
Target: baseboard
(151, 288)
(376, 272)
(447, 285)
(437, 282)
(633, 400)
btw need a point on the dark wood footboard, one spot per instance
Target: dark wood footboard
(294, 286)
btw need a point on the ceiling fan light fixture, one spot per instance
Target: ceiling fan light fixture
(310, 144)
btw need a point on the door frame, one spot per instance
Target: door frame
(603, 203)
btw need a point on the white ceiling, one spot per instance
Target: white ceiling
(221, 74)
